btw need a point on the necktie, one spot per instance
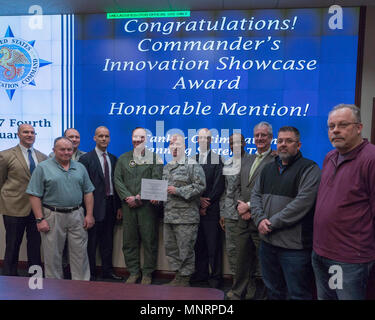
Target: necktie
(31, 161)
(255, 165)
(106, 176)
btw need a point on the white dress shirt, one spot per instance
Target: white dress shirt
(26, 155)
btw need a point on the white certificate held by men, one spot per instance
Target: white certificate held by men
(153, 189)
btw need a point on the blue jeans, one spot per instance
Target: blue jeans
(287, 273)
(346, 281)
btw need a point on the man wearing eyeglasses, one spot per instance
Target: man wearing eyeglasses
(248, 283)
(16, 167)
(282, 207)
(344, 235)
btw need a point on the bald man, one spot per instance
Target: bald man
(100, 165)
(74, 136)
(16, 166)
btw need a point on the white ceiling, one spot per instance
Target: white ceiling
(19, 7)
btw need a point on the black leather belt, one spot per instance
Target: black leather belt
(63, 210)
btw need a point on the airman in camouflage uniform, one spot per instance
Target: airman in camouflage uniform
(186, 182)
(140, 219)
(228, 201)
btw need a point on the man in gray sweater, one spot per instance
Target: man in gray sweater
(282, 207)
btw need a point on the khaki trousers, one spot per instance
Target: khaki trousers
(65, 226)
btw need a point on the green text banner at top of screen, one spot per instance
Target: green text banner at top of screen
(152, 14)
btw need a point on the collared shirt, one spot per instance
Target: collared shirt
(203, 157)
(59, 187)
(259, 158)
(74, 155)
(101, 159)
(344, 213)
(26, 155)
(264, 154)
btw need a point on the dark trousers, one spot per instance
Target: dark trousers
(287, 273)
(14, 230)
(102, 234)
(208, 252)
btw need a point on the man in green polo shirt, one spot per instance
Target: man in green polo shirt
(56, 190)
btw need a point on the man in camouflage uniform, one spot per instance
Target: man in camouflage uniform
(228, 201)
(140, 219)
(186, 182)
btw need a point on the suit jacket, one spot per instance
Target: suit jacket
(79, 154)
(246, 163)
(215, 185)
(14, 178)
(92, 163)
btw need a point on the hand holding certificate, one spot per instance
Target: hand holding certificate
(153, 189)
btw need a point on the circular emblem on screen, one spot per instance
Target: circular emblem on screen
(19, 63)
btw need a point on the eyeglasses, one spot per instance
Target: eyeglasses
(341, 125)
(287, 141)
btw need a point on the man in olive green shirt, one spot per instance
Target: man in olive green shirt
(140, 219)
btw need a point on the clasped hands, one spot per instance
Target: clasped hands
(205, 203)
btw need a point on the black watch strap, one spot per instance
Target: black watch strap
(39, 220)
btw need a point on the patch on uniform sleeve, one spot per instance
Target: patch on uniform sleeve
(132, 163)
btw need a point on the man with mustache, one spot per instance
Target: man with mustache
(282, 207)
(344, 235)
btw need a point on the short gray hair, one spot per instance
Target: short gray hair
(355, 110)
(264, 124)
(61, 138)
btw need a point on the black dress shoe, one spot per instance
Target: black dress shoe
(214, 283)
(112, 276)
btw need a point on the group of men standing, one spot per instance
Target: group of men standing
(303, 221)
(284, 220)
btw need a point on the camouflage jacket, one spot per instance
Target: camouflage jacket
(190, 183)
(228, 200)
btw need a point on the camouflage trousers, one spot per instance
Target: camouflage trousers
(231, 242)
(179, 242)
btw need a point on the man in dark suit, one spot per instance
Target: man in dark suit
(208, 247)
(248, 283)
(16, 166)
(100, 165)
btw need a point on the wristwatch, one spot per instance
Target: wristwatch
(39, 220)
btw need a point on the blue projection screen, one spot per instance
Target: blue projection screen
(224, 70)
